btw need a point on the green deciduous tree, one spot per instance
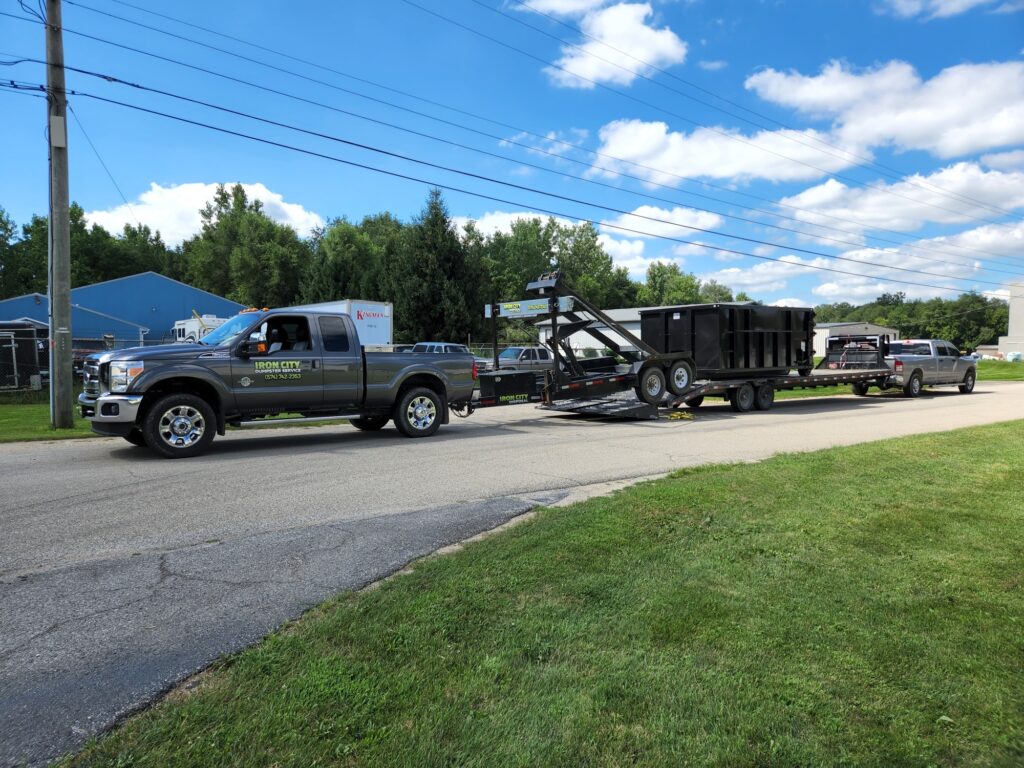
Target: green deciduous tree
(667, 284)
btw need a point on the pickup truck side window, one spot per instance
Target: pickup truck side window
(530, 354)
(334, 333)
(542, 354)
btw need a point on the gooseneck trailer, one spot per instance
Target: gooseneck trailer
(743, 353)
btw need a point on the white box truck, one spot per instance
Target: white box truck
(373, 319)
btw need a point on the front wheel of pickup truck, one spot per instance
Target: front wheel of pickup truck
(179, 425)
(418, 412)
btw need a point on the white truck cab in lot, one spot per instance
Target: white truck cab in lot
(917, 363)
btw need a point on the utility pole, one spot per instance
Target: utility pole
(59, 261)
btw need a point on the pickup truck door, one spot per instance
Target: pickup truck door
(288, 377)
(343, 362)
(946, 358)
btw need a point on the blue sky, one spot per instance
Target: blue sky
(896, 126)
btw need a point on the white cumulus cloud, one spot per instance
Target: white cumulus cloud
(963, 109)
(562, 7)
(652, 150)
(615, 38)
(174, 210)
(910, 204)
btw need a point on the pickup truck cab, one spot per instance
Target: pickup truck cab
(173, 398)
(917, 363)
(534, 358)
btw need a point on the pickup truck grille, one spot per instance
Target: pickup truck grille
(91, 379)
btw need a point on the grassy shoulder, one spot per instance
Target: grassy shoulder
(860, 605)
(31, 421)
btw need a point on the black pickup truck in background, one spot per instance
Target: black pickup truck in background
(173, 398)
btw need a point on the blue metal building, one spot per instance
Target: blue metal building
(129, 310)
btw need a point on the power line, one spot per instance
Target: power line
(678, 116)
(100, 158)
(460, 190)
(113, 79)
(862, 161)
(524, 188)
(528, 147)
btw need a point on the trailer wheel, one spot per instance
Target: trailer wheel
(695, 402)
(680, 377)
(859, 388)
(651, 385)
(742, 398)
(913, 386)
(369, 423)
(418, 412)
(968, 386)
(764, 396)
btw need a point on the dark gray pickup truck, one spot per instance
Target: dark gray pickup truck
(174, 397)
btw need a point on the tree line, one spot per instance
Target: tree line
(437, 276)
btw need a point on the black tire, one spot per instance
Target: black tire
(680, 377)
(135, 437)
(742, 398)
(764, 396)
(859, 388)
(370, 423)
(418, 412)
(179, 426)
(651, 385)
(805, 371)
(695, 402)
(970, 378)
(914, 385)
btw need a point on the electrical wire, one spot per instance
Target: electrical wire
(102, 163)
(481, 195)
(524, 188)
(917, 246)
(113, 79)
(862, 161)
(643, 102)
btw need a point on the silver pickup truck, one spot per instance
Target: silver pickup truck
(173, 398)
(917, 363)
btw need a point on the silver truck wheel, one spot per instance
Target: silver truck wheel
(418, 412)
(651, 385)
(968, 385)
(914, 385)
(179, 425)
(680, 377)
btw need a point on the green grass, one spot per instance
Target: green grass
(856, 606)
(31, 421)
(1000, 370)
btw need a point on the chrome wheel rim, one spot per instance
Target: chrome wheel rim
(421, 412)
(915, 385)
(653, 385)
(970, 381)
(182, 426)
(681, 377)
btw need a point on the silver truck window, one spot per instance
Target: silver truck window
(334, 333)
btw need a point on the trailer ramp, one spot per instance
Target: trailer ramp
(621, 406)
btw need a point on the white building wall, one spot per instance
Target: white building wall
(1014, 340)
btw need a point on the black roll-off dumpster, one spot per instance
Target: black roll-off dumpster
(732, 340)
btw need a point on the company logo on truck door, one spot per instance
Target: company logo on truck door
(279, 369)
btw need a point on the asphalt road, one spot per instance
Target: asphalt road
(121, 573)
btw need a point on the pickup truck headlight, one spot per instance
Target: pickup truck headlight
(122, 374)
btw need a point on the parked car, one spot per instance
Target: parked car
(440, 348)
(932, 362)
(525, 359)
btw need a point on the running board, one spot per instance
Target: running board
(294, 420)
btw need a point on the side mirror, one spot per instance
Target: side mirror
(252, 347)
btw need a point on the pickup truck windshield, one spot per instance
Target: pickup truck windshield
(230, 331)
(511, 352)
